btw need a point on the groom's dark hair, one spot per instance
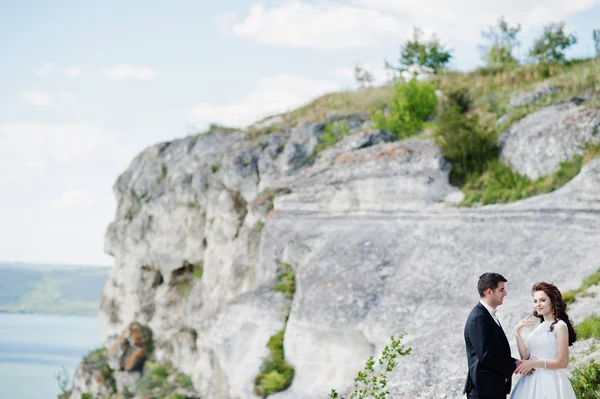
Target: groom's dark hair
(489, 280)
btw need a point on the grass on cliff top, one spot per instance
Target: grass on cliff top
(487, 93)
(593, 279)
(490, 89)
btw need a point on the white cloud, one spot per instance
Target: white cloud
(45, 69)
(323, 25)
(75, 198)
(29, 144)
(47, 99)
(73, 72)
(272, 95)
(123, 71)
(364, 23)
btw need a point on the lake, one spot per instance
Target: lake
(34, 348)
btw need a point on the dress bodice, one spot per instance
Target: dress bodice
(542, 342)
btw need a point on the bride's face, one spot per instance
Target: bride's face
(541, 303)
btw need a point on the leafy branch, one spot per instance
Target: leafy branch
(371, 383)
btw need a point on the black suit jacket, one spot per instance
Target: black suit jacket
(488, 352)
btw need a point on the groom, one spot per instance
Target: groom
(488, 352)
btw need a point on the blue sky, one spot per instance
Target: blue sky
(87, 85)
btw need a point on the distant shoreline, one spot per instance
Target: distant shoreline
(35, 313)
(43, 313)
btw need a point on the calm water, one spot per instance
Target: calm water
(34, 348)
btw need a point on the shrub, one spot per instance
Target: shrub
(500, 184)
(184, 381)
(164, 171)
(155, 381)
(286, 281)
(497, 184)
(585, 380)
(198, 271)
(332, 133)
(589, 327)
(461, 98)
(465, 144)
(97, 360)
(412, 104)
(275, 375)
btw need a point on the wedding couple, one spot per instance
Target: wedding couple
(544, 355)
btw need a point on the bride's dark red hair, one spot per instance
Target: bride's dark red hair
(559, 308)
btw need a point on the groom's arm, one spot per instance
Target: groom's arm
(480, 335)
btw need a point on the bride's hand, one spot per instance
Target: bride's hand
(526, 322)
(525, 367)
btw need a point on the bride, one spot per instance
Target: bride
(546, 349)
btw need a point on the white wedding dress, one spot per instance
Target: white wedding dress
(544, 383)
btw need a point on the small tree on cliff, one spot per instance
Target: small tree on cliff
(424, 53)
(503, 41)
(596, 35)
(363, 76)
(550, 47)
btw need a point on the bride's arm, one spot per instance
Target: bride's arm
(523, 349)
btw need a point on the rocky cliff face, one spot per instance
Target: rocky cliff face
(376, 245)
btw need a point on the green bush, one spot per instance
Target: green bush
(461, 98)
(332, 133)
(412, 104)
(586, 380)
(184, 381)
(155, 377)
(465, 144)
(155, 381)
(500, 184)
(497, 184)
(286, 281)
(97, 360)
(275, 375)
(589, 327)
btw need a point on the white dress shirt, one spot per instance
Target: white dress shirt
(492, 312)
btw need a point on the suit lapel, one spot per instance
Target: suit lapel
(491, 320)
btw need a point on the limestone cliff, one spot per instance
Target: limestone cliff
(375, 241)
